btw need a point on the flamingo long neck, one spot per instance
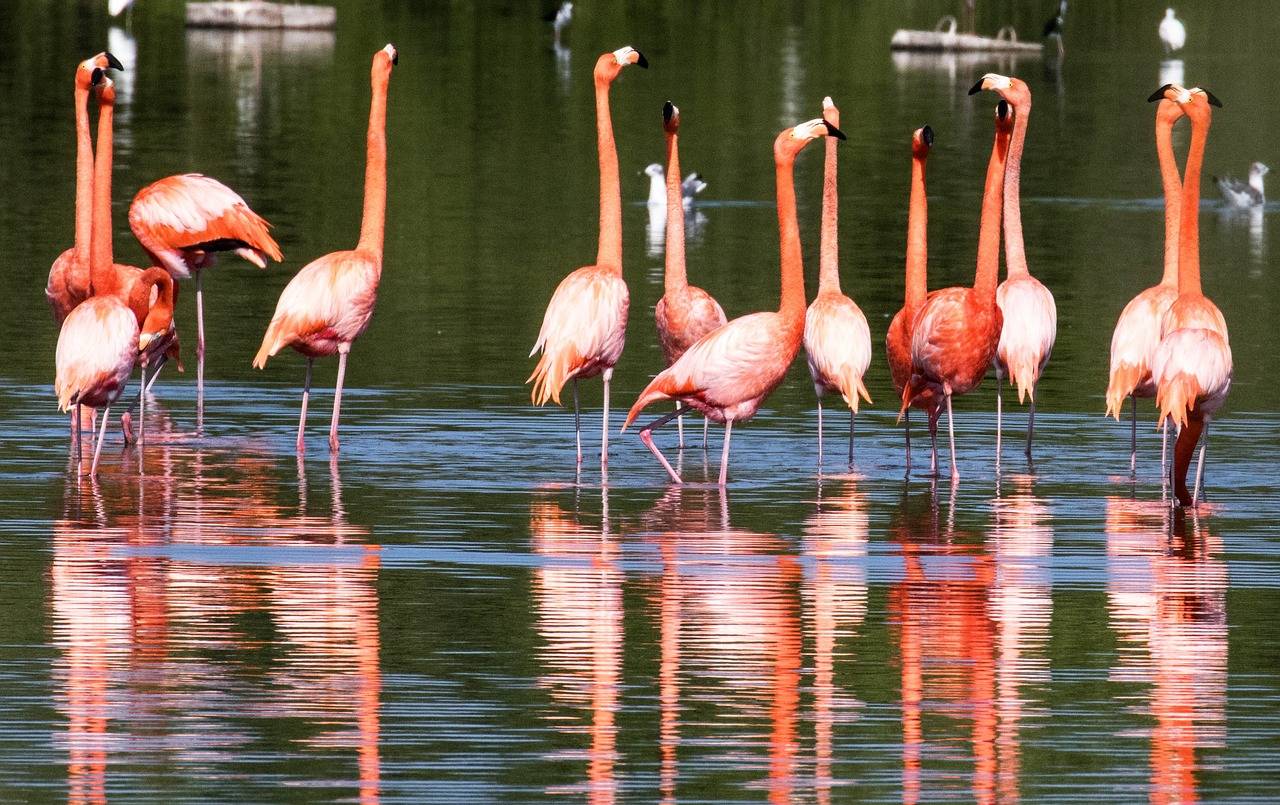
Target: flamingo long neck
(1015, 258)
(792, 303)
(829, 249)
(84, 180)
(1189, 231)
(988, 273)
(102, 272)
(1172, 198)
(609, 253)
(373, 222)
(156, 315)
(675, 279)
(917, 240)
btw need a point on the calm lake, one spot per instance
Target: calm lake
(449, 613)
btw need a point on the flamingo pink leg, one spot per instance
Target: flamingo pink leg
(1164, 448)
(851, 438)
(680, 428)
(142, 413)
(999, 416)
(906, 429)
(102, 437)
(1197, 491)
(706, 423)
(819, 432)
(1133, 441)
(337, 397)
(646, 436)
(577, 422)
(199, 352)
(951, 433)
(604, 422)
(724, 454)
(302, 418)
(1031, 420)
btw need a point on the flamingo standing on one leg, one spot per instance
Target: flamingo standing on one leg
(955, 334)
(1192, 366)
(897, 342)
(585, 325)
(1137, 333)
(837, 340)
(728, 373)
(328, 304)
(685, 313)
(1030, 315)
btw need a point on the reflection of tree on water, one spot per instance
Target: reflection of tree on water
(155, 664)
(1166, 596)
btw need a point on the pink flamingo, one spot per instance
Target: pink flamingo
(728, 373)
(1137, 333)
(328, 304)
(1030, 315)
(897, 341)
(68, 283)
(1192, 366)
(685, 313)
(955, 334)
(837, 340)
(99, 341)
(585, 325)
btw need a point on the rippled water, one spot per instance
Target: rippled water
(449, 612)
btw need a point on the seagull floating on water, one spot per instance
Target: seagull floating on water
(1241, 194)
(1172, 32)
(690, 187)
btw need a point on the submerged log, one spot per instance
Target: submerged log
(944, 37)
(259, 14)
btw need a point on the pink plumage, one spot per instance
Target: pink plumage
(583, 330)
(326, 304)
(97, 347)
(1030, 328)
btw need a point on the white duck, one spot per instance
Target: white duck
(1243, 195)
(690, 187)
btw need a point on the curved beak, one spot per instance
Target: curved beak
(112, 61)
(832, 131)
(1158, 94)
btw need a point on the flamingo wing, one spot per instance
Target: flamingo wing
(329, 300)
(191, 211)
(1192, 369)
(583, 329)
(1029, 331)
(1133, 345)
(837, 342)
(97, 347)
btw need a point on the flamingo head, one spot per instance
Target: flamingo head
(392, 56)
(1013, 90)
(1194, 102)
(90, 71)
(791, 141)
(670, 118)
(609, 65)
(830, 112)
(921, 141)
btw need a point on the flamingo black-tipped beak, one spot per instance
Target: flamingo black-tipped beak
(832, 131)
(98, 74)
(978, 86)
(641, 61)
(668, 111)
(1158, 94)
(926, 134)
(1213, 101)
(1002, 109)
(113, 62)
(393, 52)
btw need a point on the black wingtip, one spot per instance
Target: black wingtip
(926, 134)
(668, 111)
(113, 62)
(641, 61)
(1213, 100)
(832, 131)
(1158, 94)
(977, 87)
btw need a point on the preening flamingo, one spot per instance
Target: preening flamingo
(1137, 333)
(897, 341)
(685, 313)
(728, 373)
(585, 325)
(68, 283)
(1030, 315)
(837, 340)
(328, 304)
(1192, 366)
(955, 334)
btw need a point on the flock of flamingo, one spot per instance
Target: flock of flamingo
(1170, 342)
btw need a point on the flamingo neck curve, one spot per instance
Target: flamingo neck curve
(609, 253)
(373, 218)
(675, 278)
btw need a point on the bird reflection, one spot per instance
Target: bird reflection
(972, 624)
(578, 594)
(1171, 72)
(655, 231)
(161, 586)
(1166, 598)
(1251, 219)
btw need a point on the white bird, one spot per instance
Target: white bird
(1243, 195)
(117, 7)
(690, 187)
(1172, 32)
(561, 21)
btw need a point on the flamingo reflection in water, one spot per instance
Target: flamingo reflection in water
(1167, 604)
(144, 630)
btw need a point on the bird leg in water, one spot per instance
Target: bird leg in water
(850, 438)
(646, 436)
(1133, 441)
(819, 431)
(1031, 421)
(1197, 491)
(951, 433)
(906, 429)
(1164, 449)
(75, 432)
(706, 423)
(343, 349)
(577, 422)
(142, 412)
(199, 352)
(999, 415)
(102, 436)
(724, 454)
(933, 442)
(680, 428)
(302, 417)
(604, 423)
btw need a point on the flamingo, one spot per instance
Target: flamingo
(585, 325)
(897, 341)
(685, 313)
(1030, 316)
(729, 372)
(328, 304)
(68, 283)
(955, 334)
(99, 340)
(837, 340)
(1192, 366)
(1172, 32)
(1137, 333)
